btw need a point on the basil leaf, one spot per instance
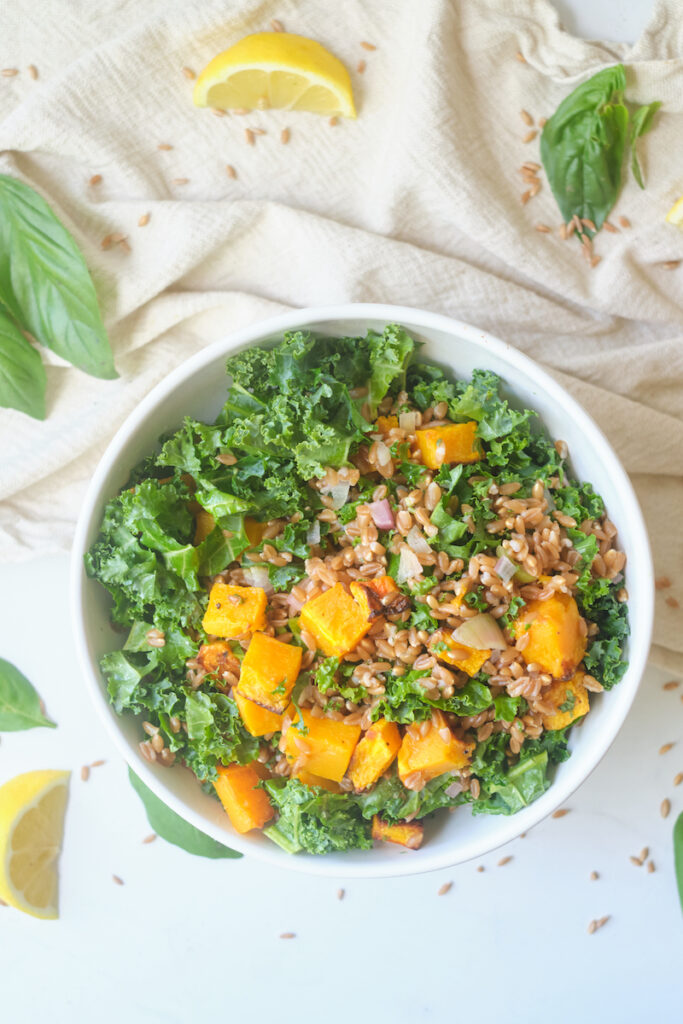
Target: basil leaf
(174, 829)
(19, 702)
(640, 125)
(45, 283)
(678, 855)
(22, 374)
(582, 147)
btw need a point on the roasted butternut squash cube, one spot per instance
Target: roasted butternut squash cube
(404, 833)
(471, 663)
(556, 642)
(335, 620)
(269, 672)
(204, 524)
(423, 758)
(256, 720)
(309, 779)
(375, 752)
(386, 423)
(217, 658)
(246, 806)
(254, 530)
(570, 700)
(452, 443)
(233, 611)
(376, 596)
(325, 749)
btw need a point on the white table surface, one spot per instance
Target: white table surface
(188, 939)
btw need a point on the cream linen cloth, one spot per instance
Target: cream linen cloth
(417, 202)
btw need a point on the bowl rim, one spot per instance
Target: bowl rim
(510, 827)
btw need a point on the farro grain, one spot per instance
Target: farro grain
(665, 748)
(644, 853)
(284, 136)
(368, 46)
(504, 860)
(530, 136)
(165, 146)
(520, 57)
(341, 893)
(650, 867)
(98, 764)
(637, 861)
(288, 935)
(673, 684)
(249, 136)
(678, 779)
(673, 602)
(361, 66)
(189, 73)
(333, 122)
(95, 180)
(594, 876)
(625, 222)
(85, 773)
(33, 71)
(180, 181)
(526, 117)
(662, 583)
(561, 813)
(144, 220)
(9, 72)
(671, 265)
(116, 880)
(664, 808)
(276, 25)
(149, 839)
(446, 887)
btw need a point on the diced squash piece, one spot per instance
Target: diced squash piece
(256, 720)
(269, 672)
(217, 658)
(246, 806)
(429, 756)
(404, 833)
(555, 642)
(470, 664)
(386, 423)
(325, 749)
(309, 779)
(454, 442)
(204, 524)
(377, 596)
(254, 530)
(335, 620)
(233, 611)
(375, 752)
(571, 695)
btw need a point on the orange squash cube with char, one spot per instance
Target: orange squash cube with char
(269, 672)
(233, 611)
(257, 720)
(326, 747)
(374, 754)
(247, 806)
(570, 694)
(467, 659)
(376, 596)
(404, 833)
(309, 779)
(556, 640)
(423, 758)
(335, 620)
(217, 658)
(452, 443)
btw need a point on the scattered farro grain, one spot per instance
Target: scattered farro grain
(673, 602)
(481, 867)
(106, 242)
(150, 838)
(33, 71)
(368, 46)
(95, 180)
(544, 229)
(588, 223)
(219, 112)
(230, 171)
(446, 887)
(189, 73)
(144, 220)
(284, 136)
(542, 122)
(625, 222)
(98, 764)
(525, 197)
(9, 72)
(608, 226)
(116, 880)
(241, 111)
(124, 245)
(85, 773)
(259, 131)
(520, 57)
(637, 861)
(180, 181)
(665, 748)
(526, 117)
(249, 136)
(664, 808)
(503, 861)
(594, 876)
(165, 146)
(288, 935)
(341, 893)
(530, 136)
(644, 853)
(595, 260)
(678, 779)
(671, 265)
(561, 813)
(592, 926)
(276, 25)
(673, 684)
(361, 66)
(662, 583)
(562, 232)
(333, 122)
(650, 867)
(522, 835)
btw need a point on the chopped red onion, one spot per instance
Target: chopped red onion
(382, 514)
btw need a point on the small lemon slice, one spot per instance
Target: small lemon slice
(32, 810)
(276, 69)
(675, 214)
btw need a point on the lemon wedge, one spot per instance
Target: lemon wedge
(31, 827)
(675, 214)
(276, 69)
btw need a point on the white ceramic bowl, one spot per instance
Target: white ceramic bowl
(197, 388)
